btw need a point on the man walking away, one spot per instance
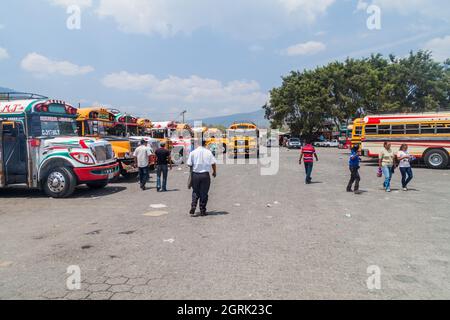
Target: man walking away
(163, 162)
(354, 169)
(201, 160)
(142, 155)
(307, 155)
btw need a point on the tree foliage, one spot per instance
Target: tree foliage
(340, 91)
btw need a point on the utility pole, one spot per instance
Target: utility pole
(183, 114)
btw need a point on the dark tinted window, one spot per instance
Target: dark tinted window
(427, 128)
(370, 130)
(386, 130)
(398, 129)
(412, 129)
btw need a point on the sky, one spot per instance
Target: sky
(157, 58)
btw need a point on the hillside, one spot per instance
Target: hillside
(256, 117)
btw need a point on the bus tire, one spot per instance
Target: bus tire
(97, 185)
(436, 159)
(60, 182)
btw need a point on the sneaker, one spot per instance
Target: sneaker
(192, 212)
(405, 189)
(349, 190)
(388, 190)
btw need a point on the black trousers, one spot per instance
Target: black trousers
(354, 178)
(201, 183)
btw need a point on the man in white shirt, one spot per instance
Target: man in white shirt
(202, 161)
(142, 155)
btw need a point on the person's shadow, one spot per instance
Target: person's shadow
(213, 214)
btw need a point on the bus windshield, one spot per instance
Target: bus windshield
(96, 128)
(50, 126)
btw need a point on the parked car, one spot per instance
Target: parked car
(294, 143)
(327, 144)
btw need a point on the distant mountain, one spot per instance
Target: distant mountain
(256, 117)
(3, 90)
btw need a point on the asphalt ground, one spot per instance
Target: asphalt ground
(267, 237)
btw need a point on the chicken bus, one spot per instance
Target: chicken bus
(40, 147)
(99, 123)
(243, 140)
(426, 134)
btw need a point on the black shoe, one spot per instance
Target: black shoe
(158, 190)
(350, 190)
(164, 190)
(192, 212)
(203, 214)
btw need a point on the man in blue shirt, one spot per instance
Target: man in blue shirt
(354, 169)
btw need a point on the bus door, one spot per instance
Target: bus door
(14, 153)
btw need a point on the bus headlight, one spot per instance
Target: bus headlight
(81, 157)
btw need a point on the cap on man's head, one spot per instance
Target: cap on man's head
(162, 144)
(143, 142)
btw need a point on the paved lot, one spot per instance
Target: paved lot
(312, 242)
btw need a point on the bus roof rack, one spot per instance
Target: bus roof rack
(8, 96)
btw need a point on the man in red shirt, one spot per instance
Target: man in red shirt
(307, 155)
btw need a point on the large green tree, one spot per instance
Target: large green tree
(307, 100)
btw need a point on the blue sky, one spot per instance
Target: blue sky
(156, 58)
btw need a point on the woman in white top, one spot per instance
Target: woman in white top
(405, 159)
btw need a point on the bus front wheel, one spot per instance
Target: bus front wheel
(59, 183)
(436, 159)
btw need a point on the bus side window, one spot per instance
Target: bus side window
(427, 128)
(371, 130)
(384, 130)
(443, 128)
(412, 129)
(398, 129)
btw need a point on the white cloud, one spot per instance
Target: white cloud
(307, 48)
(208, 96)
(440, 48)
(41, 65)
(3, 54)
(68, 3)
(129, 81)
(259, 18)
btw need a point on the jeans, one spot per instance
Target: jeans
(308, 170)
(143, 176)
(201, 183)
(164, 170)
(387, 172)
(407, 176)
(355, 178)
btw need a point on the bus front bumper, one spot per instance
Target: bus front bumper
(99, 173)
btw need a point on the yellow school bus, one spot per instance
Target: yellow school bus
(357, 131)
(144, 127)
(243, 140)
(99, 123)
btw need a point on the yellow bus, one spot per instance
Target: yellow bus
(99, 123)
(243, 140)
(357, 131)
(144, 127)
(426, 134)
